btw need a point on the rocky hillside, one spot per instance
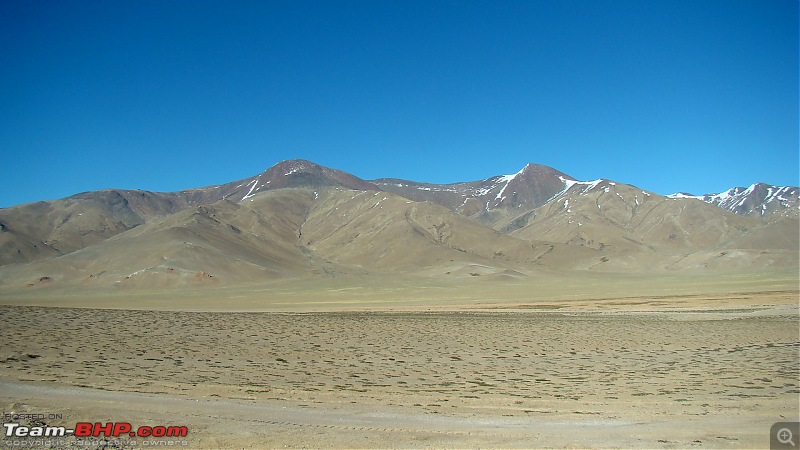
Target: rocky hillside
(300, 219)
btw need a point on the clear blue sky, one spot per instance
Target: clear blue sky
(670, 95)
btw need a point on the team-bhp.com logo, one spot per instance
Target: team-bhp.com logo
(97, 429)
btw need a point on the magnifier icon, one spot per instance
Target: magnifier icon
(785, 436)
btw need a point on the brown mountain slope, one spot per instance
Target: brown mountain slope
(220, 243)
(760, 199)
(296, 233)
(487, 200)
(638, 230)
(43, 229)
(300, 219)
(50, 228)
(385, 232)
(777, 234)
(293, 173)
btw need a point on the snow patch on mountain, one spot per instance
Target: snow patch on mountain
(252, 186)
(589, 186)
(505, 179)
(757, 199)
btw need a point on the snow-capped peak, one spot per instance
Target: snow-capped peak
(758, 198)
(684, 195)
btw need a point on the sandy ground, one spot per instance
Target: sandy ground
(689, 369)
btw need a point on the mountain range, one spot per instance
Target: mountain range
(300, 219)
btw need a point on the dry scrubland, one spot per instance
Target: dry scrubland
(599, 362)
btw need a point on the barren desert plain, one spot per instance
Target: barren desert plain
(597, 360)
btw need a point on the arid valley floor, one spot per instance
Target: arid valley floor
(656, 362)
